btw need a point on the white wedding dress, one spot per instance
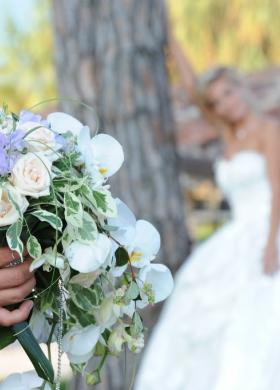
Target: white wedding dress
(220, 329)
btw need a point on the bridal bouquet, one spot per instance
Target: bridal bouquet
(92, 258)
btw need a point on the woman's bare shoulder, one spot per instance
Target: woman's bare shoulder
(269, 129)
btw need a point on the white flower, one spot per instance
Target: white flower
(31, 175)
(140, 238)
(85, 279)
(108, 313)
(124, 223)
(146, 244)
(79, 343)
(88, 257)
(40, 327)
(102, 155)
(48, 258)
(116, 339)
(40, 139)
(108, 154)
(135, 344)
(62, 123)
(155, 282)
(25, 381)
(8, 212)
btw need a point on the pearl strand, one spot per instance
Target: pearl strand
(59, 335)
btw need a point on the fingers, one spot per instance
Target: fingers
(17, 294)
(8, 318)
(15, 276)
(7, 256)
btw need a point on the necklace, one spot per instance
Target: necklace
(242, 133)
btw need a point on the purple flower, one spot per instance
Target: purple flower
(59, 139)
(10, 147)
(4, 163)
(28, 116)
(17, 140)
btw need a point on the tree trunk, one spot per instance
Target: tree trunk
(110, 54)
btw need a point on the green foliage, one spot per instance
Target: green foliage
(34, 247)
(28, 342)
(50, 218)
(6, 338)
(27, 73)
(88, 231)
(86, 299)
(236, 32)
(131, 293)
(136, 328)
(13, 237)
(73, 209)
(122, 256)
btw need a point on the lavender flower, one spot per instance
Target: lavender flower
(11, 146)
(28, 116)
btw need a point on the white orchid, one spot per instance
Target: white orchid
(50, 258)
(26, 381)
(146, 244)
(124, 223)
(102, 154)
(62, 123)
(88, 257)
(79, 343)
(108, 154)
(39, 326)
(141, 238)
(156, 284)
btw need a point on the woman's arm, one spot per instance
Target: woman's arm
(16, 283)
(184, 67)
(272, 152)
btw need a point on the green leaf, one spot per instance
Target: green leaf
(73, 209)
(105, 203)
(6, 337)
(80, 316)
(131, 293)
(88, 231)
(34, 247)
(15, 204)
(136, 328)
(100, 200)
(13, 237)
(122, 256)
(86, 299)
(28, 342)
(50, 218)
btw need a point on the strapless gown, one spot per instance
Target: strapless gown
(220, 329)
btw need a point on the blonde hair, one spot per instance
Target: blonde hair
(215, 74)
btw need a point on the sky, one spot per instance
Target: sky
(19, 10)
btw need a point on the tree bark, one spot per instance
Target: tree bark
(110, 54)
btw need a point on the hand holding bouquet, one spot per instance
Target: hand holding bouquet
(91, 258)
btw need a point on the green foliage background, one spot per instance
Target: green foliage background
(27, 73)
(244, 33)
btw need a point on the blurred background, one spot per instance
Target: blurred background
(136, 62)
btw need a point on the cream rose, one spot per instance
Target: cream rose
(8, 212)
(31, 175)
(40, 140)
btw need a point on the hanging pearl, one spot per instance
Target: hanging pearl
(59, 335)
